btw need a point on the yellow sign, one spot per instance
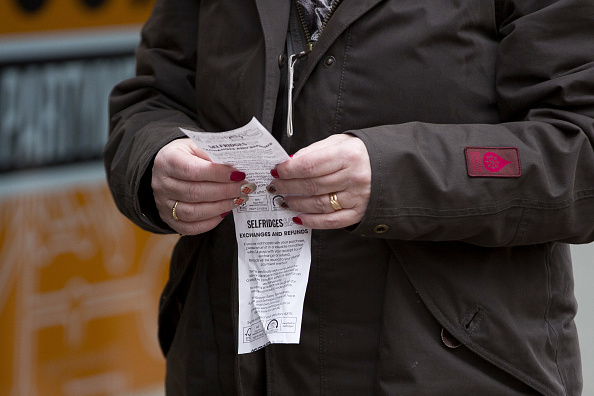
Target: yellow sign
(31, 16)
(79, 291)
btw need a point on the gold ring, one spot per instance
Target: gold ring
(334, 201)
(173, 211)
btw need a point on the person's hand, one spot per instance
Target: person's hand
(193, 194)
(337, 165)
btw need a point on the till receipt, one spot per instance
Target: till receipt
(274, 253)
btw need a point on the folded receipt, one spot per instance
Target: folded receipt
(274, 253)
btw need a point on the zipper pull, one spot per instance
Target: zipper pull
(290, 84)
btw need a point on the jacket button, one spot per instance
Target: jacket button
(380, 229)
(281, 60)
(449, 340)
(329, 61)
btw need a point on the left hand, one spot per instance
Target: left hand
(338, 164)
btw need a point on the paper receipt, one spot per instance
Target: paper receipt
(274, 253)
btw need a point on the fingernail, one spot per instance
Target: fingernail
(240, 200)
(274, 173)
(248, 188)
(237, 176)
(297, 220)
(223, 215)
(271, 189)
(283, 204)
(280, 202)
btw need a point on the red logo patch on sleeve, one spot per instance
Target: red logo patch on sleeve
(493, 162)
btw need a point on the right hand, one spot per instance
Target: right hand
(206, 192)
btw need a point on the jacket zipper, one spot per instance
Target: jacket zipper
(295, 57)
(310, 43)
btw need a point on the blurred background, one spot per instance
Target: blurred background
(79, 284)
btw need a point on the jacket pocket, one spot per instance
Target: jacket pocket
(173, 298)
(494, 301)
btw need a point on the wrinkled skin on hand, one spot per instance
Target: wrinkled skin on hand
(338, 164)
(206, 191)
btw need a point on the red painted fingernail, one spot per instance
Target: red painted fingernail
(297, 220)
(291, 156)
(274, 173)
(237, 176)
(223, 215)
(271, 189)
(248, 188)
(240, 200)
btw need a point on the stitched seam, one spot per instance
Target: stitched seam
(325, 48)
(511, 365)
(525, 226)
(380, 180)
(522, 227)
(485, 353)
(546, 318)
(494, 208)
(338, 110)
(476, 322)
(473, 318)
(488, 353)
(269, 104)
(520, 222)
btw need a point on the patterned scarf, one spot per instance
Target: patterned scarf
(315, 12)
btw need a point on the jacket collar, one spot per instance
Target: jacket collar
(274, 18)
(344, 16)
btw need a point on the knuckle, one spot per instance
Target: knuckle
(308, 168)
(348, 155)
(160, 160)
(160, 184)
(187, 170)
(310, 187)
(361, 176)
(333, 222)
(354, 183)
(196, 212)
(320, 204)
(156, 184)
(195, 192)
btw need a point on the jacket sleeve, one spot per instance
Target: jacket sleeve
(421, 187)
(146, 111)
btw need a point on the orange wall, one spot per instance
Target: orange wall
(79, 283)
(71, 14)
(79, 290)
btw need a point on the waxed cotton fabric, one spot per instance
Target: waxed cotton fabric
(486, 259)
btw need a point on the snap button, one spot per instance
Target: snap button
(281, 60)
(329, 61)
(449, 340)
(380, 229)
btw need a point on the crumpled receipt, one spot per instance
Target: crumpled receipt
(274, 253)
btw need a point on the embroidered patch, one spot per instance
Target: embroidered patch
(493, 162)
